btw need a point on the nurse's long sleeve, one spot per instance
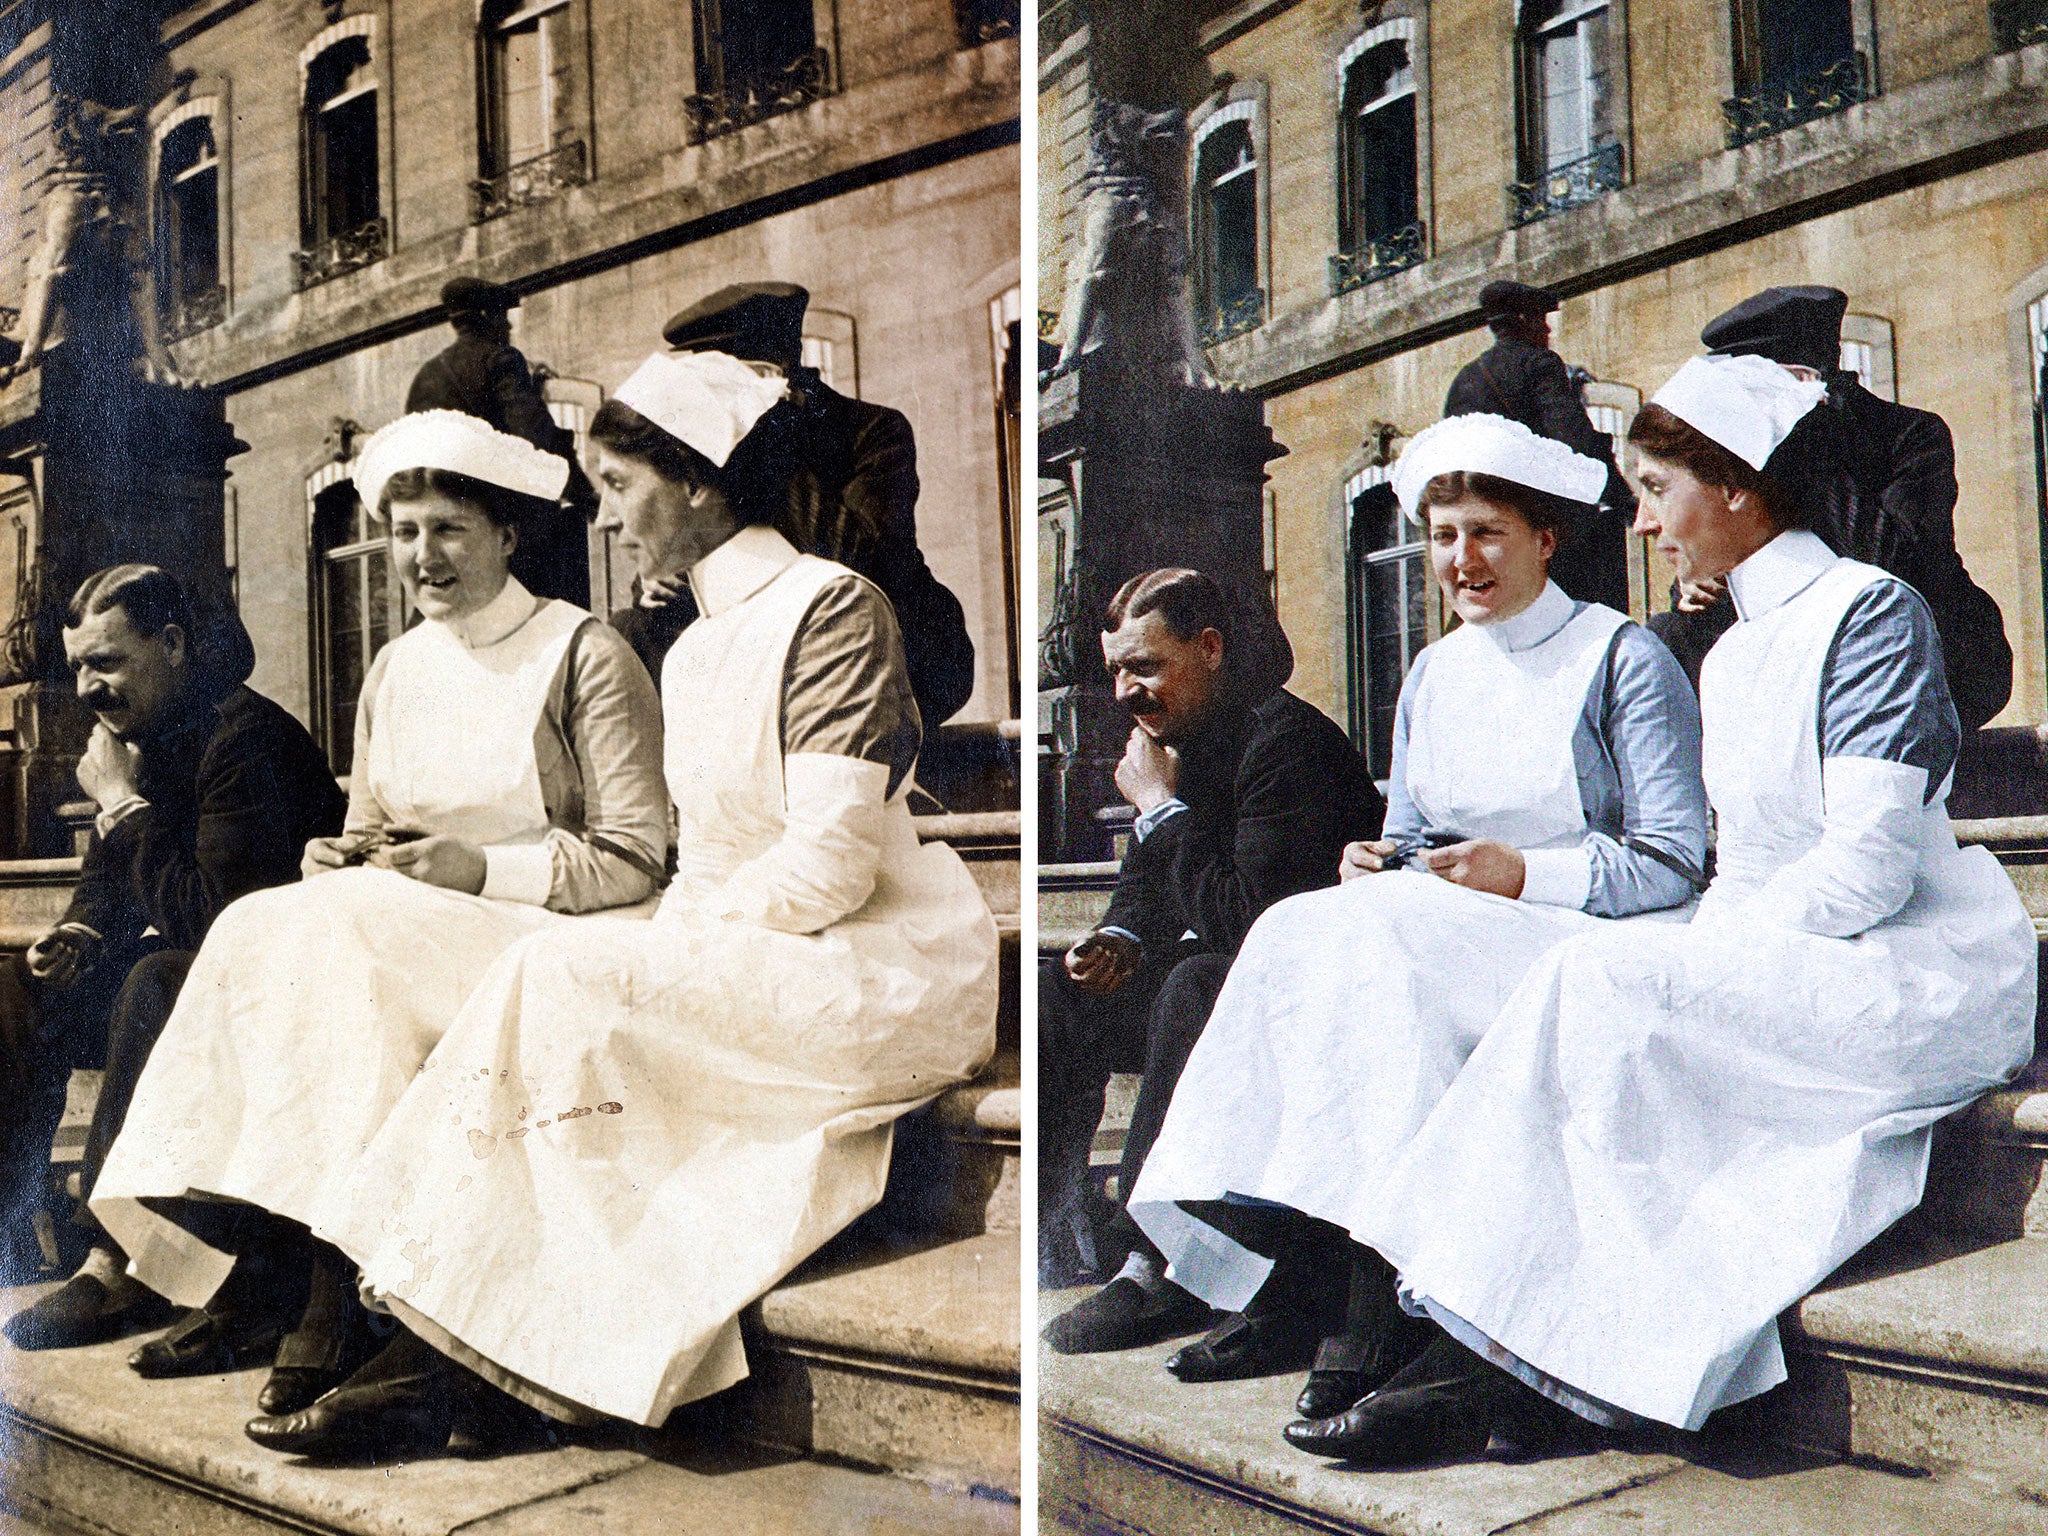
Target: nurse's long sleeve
(850, 735)
(1888, 740)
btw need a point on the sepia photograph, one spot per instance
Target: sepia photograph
(510, 766)
(1541, 793)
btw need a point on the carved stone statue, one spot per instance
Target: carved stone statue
(1129, 287)
(90, 212)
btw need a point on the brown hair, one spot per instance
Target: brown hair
(755, 481)
(505, 508)
(1662, 435)
(1539, 509)
(1187, 601)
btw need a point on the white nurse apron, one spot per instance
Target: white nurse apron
(1671, 1134)
(634, 1129)
(1349, 1010)
(311, 1006)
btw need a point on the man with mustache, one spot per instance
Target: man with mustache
(1245, 795)
(206, 791)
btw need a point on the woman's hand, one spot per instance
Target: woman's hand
(326, 853)
(448, 862)
(1365, 858)
(1480, 866)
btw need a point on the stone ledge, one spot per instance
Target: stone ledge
(1126, 1447)
(1990, 110)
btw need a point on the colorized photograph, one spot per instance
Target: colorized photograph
(510, 817)
(1541, 787)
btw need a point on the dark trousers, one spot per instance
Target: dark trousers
(140, 1013)
(45, 1032)
(1150, 1024)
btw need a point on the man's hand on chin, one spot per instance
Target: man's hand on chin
(1148, 773)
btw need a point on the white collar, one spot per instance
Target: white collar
(1535, 624)
(498, 618)
(740, 567)
(1778, 572)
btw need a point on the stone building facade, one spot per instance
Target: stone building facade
(1367, 169)
(317, 169)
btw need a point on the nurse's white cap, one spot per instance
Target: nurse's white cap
(1747, 404)
(455, 440)
(1494, 445)
(709, 400)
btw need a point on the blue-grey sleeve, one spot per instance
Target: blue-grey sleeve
(1884, 690)
(1649, 850)
(1403, 823)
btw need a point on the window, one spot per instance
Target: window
(188, 269)
(1006, 336)
(536, 103)
(828, 346)
(2019, 23)
(341, 218)
(983, 21)
(1867, 352)
(1795, 60)
(755, 58)
(357, 606)
(2037, 370)
(1379, 203)
(1390, 582)
(1225, 213)
(1570, 142)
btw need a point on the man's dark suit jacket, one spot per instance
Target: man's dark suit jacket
(1531, 385)
(1274, 793)
(490, 380)
(1877, 482)
(854, 499)
(235, 790)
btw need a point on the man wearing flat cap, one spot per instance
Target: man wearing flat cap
(853, 498)
(1874, 479)
(1519, 377)
(482, 374)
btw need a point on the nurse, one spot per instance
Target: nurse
(1669, 1135)
(1545, 782)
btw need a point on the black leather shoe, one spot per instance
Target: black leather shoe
(1245, 1345)
(292, 1387)
(86, 1310)
(204, 1343)
(385, 1420)
(1350, 1365)
(489, 1422)
(1126, 1315)
(1403, 1427)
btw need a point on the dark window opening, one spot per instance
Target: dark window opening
(1390, 587)
(535, 103)
(1795, 60)
(342, 214)
(2019, 23)
(1227, 232)
(1570, 146)
(188, 229)
(1379, 205)
(755, 58)
(357, 607)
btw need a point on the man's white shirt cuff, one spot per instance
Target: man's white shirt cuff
(1147, 820)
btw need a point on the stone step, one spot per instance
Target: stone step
(957, 1168)
(901, 1358)
(1927, 1353)
(904, 1364)
(1125, 1448)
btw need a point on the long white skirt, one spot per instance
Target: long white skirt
(1670, 1135)
(634, 1129)
(1347, 1014)
(307, 1013)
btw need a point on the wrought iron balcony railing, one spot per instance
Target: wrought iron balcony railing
(1568, 185)
(341, 253)
(744, 102)
(983, 21)
(1376, 259)
(1241, 314)
(1775, 107)
(196, 312)
(530, 181)
(2019, 23)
